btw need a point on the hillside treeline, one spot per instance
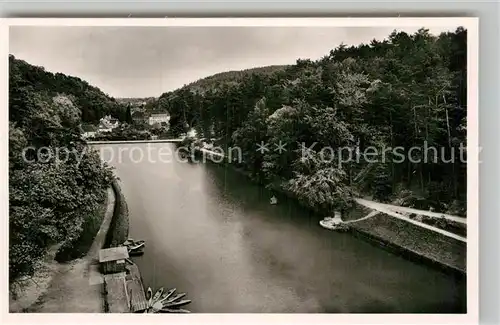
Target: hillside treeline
(26, 79)
(405, 95)
(57, 186)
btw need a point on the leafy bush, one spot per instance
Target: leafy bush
(123, 133)
(50, 201)
(408, 198)
(79, 246)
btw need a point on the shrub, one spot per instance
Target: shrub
(50, 202)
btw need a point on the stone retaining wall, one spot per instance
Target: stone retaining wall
(120, 223)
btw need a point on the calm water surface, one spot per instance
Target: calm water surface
(213, 234)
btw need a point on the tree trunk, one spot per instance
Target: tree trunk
(454, 174)
(393, 177)
(419, 166)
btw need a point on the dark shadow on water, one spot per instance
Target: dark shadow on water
(298, 221)
(213, 234)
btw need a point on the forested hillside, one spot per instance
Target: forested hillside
(156, 105)
(135, 101)
(25, 80)
(56, 184)
(406, 92)
(232, 77)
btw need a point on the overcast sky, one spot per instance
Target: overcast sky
(147, 61)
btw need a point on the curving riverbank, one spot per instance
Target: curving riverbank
(414, 243)
(212, 233)
(119, 227)
(398, 237)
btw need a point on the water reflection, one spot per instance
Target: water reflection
(213, 234)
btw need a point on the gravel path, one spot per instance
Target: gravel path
(73, 287)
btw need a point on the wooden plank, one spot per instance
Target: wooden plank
(137, 296)
(116, 293)
(135, 289)
(134, 272)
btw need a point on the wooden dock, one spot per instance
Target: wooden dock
(122, 282)
(137, 297)
(116, 292)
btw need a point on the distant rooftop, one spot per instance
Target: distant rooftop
(113, 254)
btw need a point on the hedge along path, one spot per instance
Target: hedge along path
(381, 207)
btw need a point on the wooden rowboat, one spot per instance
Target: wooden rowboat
(158, 294)
(130, 242)
(333, 225)
(135, 246)
(166, 302)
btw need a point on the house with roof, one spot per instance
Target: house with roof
(107, 124)
(159, 118)
(89, 131)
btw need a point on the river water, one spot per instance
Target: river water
(211, 233)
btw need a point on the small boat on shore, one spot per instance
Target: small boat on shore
(137, 252)
(130, 241)
(166, 302)
(134, 248)
(335, 223)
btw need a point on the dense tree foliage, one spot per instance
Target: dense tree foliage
(50, 199)
(396, 97)
(124, 132)
(135, 101)
(232, 77)
(26, 79)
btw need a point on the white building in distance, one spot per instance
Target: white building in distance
(159, 118)
(89, 131)
(107, 124)
(89, 134)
